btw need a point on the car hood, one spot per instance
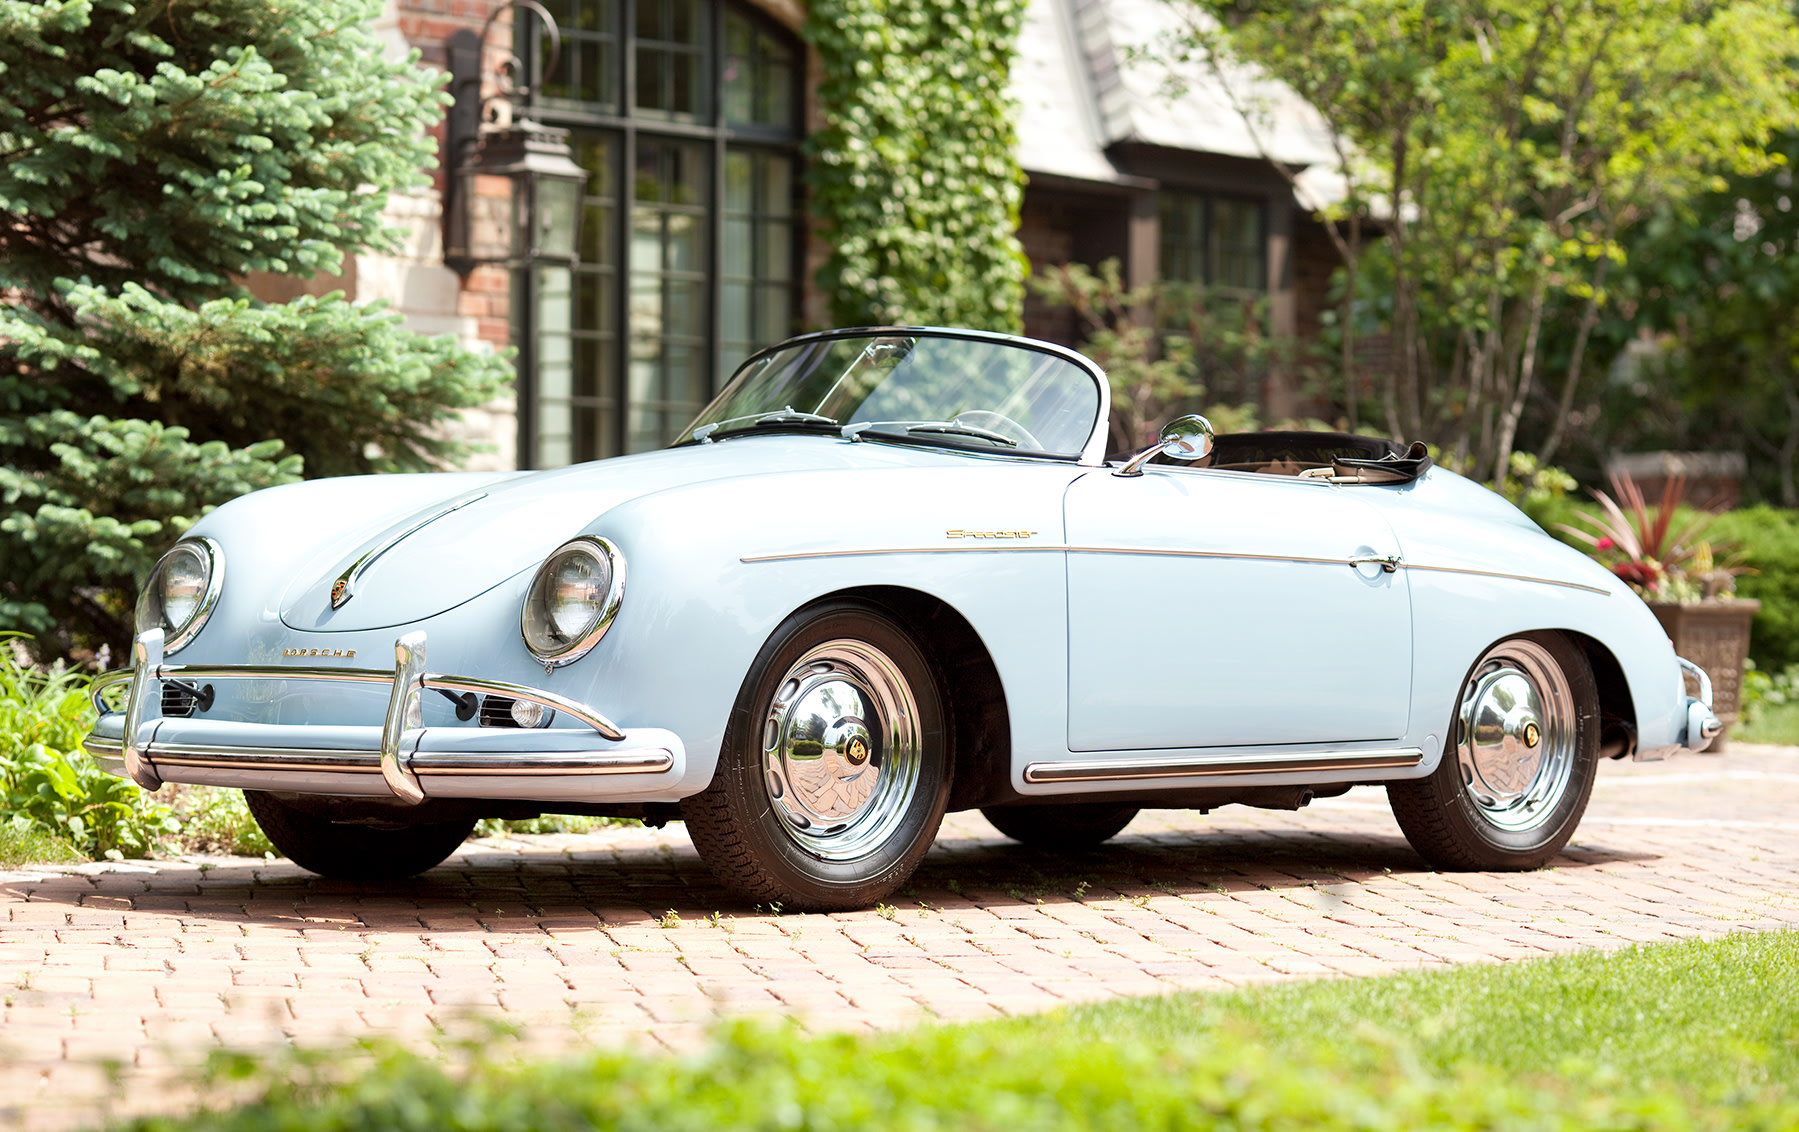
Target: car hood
(436, 557)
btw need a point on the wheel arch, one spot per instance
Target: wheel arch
(1617, 709)
(980, 724)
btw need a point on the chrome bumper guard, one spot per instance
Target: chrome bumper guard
(403, 723)
(1703, 725)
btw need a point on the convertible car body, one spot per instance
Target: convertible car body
(889, 572)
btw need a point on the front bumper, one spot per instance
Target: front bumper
(398, 758)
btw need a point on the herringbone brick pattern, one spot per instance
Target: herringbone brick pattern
(624, 936)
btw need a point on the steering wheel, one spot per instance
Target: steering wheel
(1001, 423)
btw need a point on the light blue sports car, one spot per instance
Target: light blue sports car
(888, 573)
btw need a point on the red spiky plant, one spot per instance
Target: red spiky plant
(1642, 543)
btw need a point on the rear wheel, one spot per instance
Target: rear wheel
(359, 850)
(1518, 768)
(834, 773)
(1074, 825)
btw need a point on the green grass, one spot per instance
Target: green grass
(1772, 723)
(22, 844)
(1684, 1036)
(1718, 1020)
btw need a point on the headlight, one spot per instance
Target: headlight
(181, 591)
(573, 600)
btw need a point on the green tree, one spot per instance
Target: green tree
(152, 155)
(1706, 323)
(914, 172)
(1516, 144)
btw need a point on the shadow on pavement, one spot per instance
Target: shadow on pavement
(487, 886)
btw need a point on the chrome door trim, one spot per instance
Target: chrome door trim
(1201, 766)
(1388, 563)
(1152, 551)
(1508, 577)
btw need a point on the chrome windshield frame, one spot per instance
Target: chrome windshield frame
(1092, 453)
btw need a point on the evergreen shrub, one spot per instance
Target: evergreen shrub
(153, 156)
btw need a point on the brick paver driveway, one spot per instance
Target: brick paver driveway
(623, 935)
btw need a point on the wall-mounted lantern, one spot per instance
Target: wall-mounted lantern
(513, 197)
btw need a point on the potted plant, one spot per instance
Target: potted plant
(1677, 573)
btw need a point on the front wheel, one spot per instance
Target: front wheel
(1518, 768)
(834, 773)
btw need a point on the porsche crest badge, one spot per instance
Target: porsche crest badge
(340, 592)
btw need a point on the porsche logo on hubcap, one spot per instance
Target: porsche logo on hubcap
(856, 752)
(1532, 735)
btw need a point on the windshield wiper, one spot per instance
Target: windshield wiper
(947, 428)
(786, 416)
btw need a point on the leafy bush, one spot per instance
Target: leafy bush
(1767, 541)
(1345, 1054)
(914, 168)
(213, 819)
(48, 782)
(1542, 492)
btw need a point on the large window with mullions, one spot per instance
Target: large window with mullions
(686, 115)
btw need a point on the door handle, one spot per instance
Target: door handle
(1387, 562)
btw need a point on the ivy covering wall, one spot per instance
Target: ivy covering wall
(914, 174)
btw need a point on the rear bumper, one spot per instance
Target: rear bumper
(1703, 724)
(398, 758)
(1699, 724)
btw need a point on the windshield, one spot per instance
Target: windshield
(913, 386)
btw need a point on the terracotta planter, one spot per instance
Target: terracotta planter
(1714, 634)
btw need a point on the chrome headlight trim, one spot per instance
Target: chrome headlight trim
(151, 613)
(601, 549)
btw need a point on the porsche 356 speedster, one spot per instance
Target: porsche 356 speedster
(889, 573)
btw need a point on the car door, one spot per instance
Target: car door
(1211, 608)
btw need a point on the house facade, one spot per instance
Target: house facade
(696, 246)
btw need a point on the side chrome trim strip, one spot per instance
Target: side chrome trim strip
(268, 758)
(644, 760)
(1192, 766)
(1507, 577)
(1386, 563)
(647, 760)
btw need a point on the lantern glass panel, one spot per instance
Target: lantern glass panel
(558, 208)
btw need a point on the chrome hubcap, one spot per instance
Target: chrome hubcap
(840, 750)
(1516, 736)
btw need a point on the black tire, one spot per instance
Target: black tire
(355, 851)
(1075, 825)
(793, 818)
(1494, 806)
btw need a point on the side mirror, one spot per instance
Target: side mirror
(1185, 438)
